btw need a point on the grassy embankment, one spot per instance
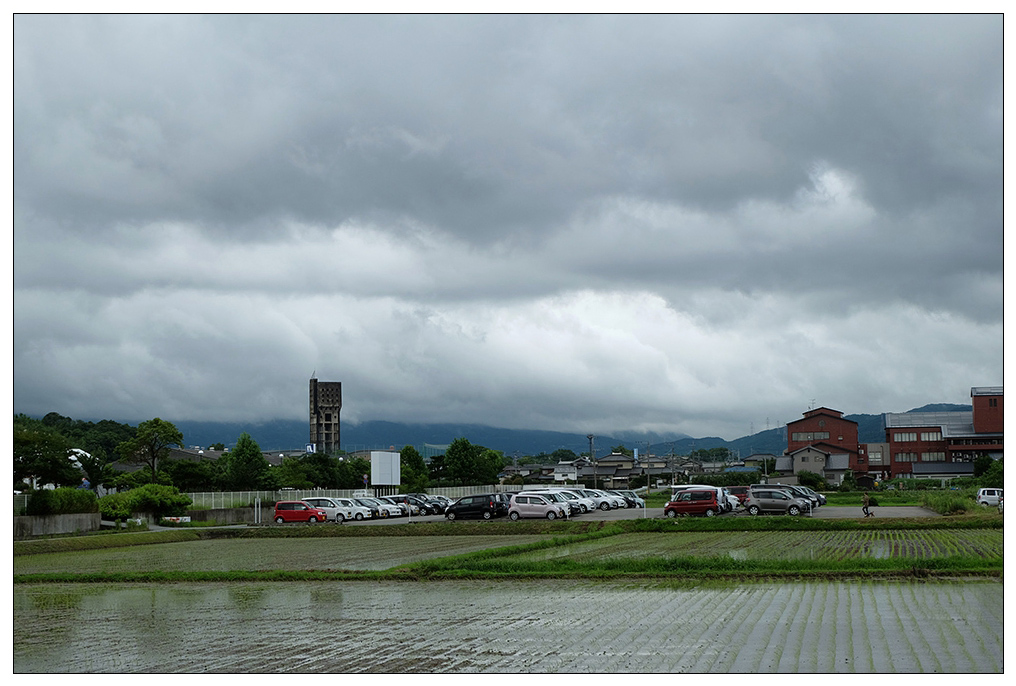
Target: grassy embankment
(504, 562)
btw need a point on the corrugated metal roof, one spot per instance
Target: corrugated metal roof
(838, 462)
(986, 390)
(943, 468)
(952, 421)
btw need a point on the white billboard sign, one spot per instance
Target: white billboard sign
(385, 468)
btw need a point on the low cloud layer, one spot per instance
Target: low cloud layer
(699, 224)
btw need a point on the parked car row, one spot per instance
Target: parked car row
(709, 501)
(549, 503)
(552, 503)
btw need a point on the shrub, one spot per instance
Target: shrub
(115, 506)
(62, 501)
(154, 499)
(948, 502)
(812, 480)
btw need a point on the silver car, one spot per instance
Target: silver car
(775, 501)
(535, 505)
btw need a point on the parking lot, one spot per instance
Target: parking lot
(825, 512)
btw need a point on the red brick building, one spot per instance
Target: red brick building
(920, 438)
(829, 431)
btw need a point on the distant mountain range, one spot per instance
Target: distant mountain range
(378, 435)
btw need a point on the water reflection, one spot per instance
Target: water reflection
(493, 626)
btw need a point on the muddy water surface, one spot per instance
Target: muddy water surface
(508, 627)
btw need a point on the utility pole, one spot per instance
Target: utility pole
(592, 458)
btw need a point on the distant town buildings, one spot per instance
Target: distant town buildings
(325, 405)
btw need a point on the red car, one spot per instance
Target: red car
(298, 511)
(693, 502)
(740, 491)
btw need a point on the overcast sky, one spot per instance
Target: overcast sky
(698, 224)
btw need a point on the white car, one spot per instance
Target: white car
(339, 509)
(579, 504)
(558, 498)
(989, 496)
(602, 501)
(404, 509)
(616, 501)
(732, 500)
(383, 509)
(586, 504)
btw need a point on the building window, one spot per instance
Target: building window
(992, 402)
(904, 436)
(906, 457)
(932, 457)
(931, 435)
(875, 457)
(809, 435)
(804, 458)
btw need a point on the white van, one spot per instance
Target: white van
(989, 497)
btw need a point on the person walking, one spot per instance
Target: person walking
(864, 508)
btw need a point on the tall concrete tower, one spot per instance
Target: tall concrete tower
(325, 404)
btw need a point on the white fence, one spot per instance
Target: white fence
(217, 500)
(225, 499)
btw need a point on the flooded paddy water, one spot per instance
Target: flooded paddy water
(507, 626)
(544, 626)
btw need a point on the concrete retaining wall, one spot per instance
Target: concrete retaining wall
(229, 515)
(48, 525)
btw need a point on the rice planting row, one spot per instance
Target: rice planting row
(575, 627)
(788, 545)
(366, 553)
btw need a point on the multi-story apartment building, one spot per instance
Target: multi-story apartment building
(920, 438)
(325, 405)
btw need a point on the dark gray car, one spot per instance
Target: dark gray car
(775, 501)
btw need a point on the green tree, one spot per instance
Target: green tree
(460, 459)
(621, 450)
(438, 469)
(126, 481)
(43, 454)
(993, 477)
(97, 466)
(488, 466)
(192, 475)
(414, 475)
(711, 454)
(245, 467)
(150, 444)
(351, 472)
(468, 464)
(293, 473)
(982, 464)
(322, 469)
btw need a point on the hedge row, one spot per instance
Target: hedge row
(62, 501)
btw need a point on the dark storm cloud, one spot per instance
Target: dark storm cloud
(441, 182)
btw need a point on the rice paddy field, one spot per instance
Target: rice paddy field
(598, 601)
(502, 627)
(352, 553)
(784, 545)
